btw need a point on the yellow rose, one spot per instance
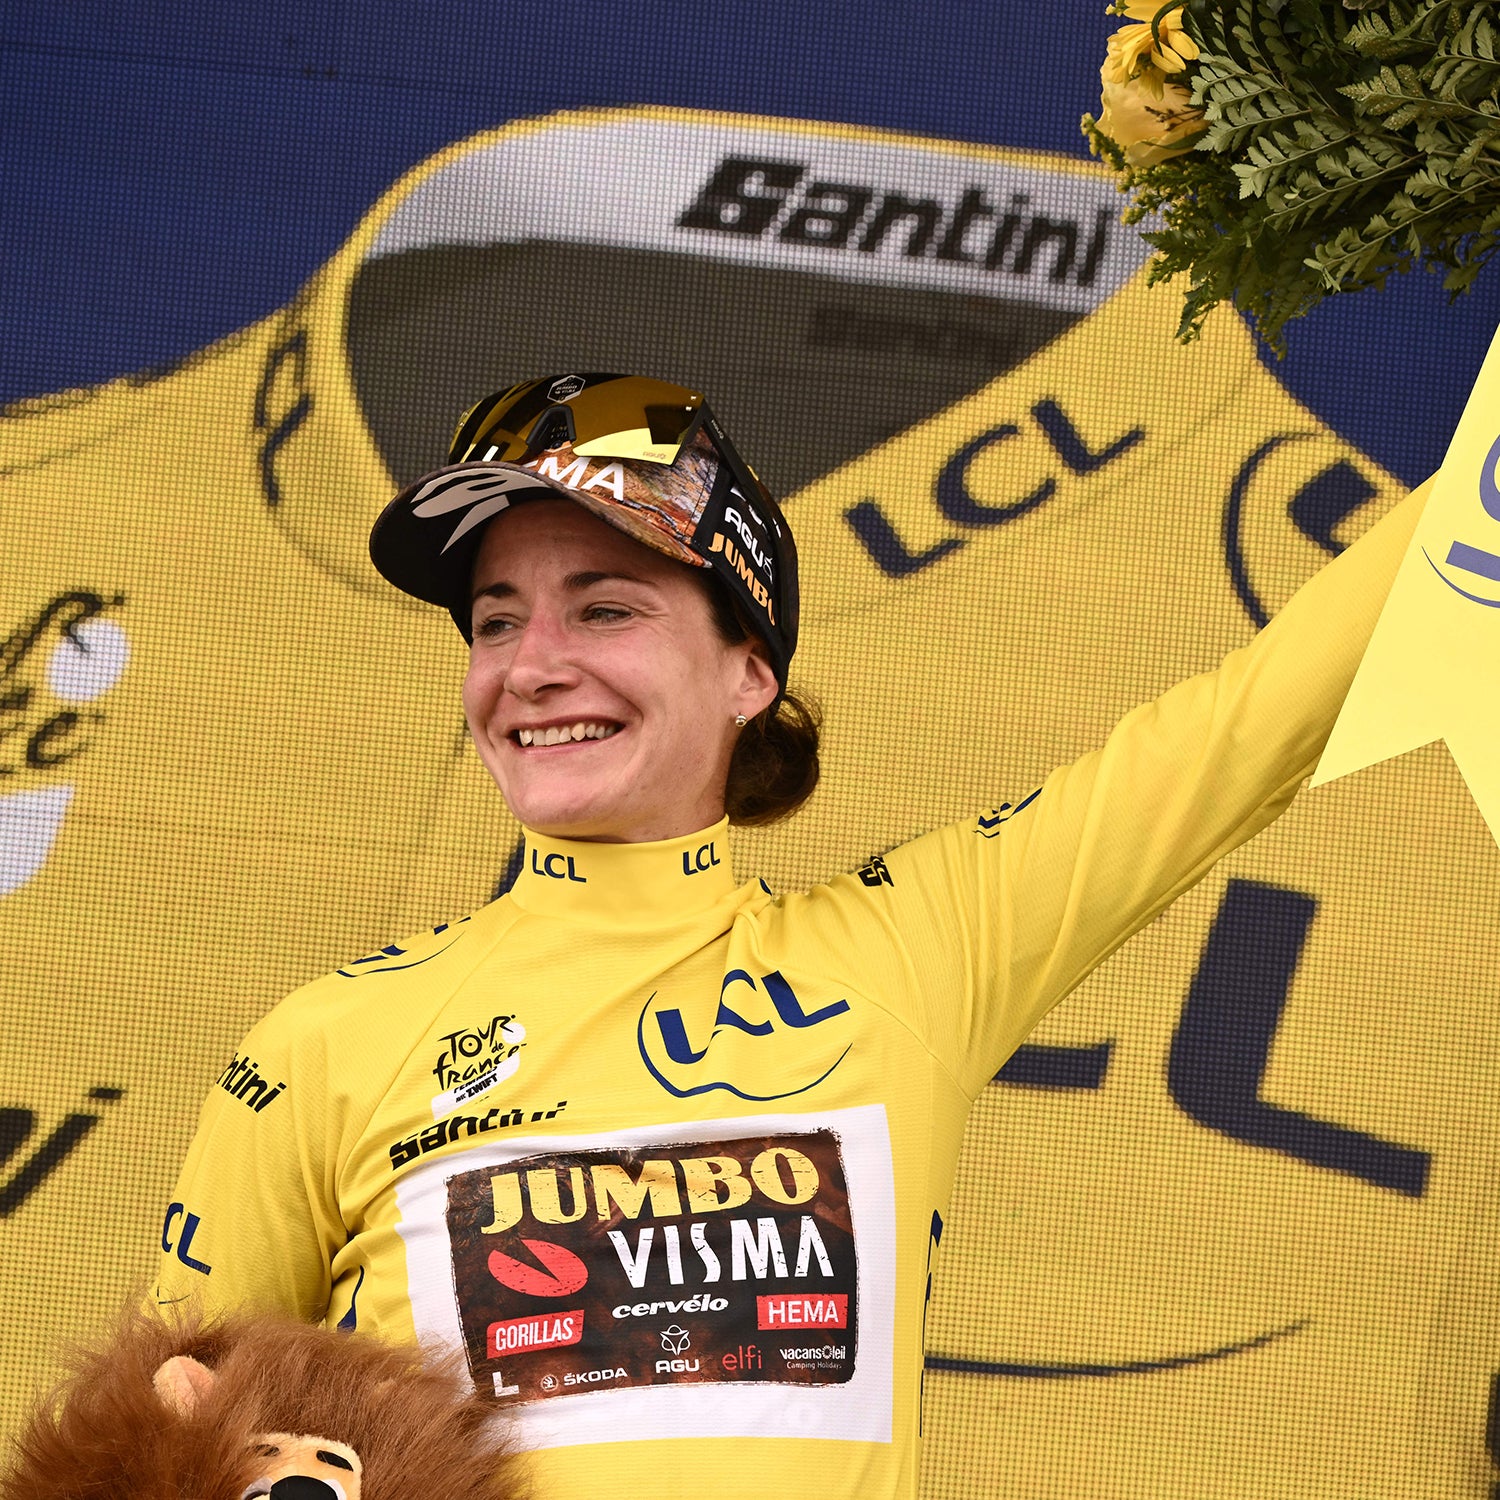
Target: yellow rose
(1148, 125)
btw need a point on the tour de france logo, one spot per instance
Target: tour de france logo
(474, 1059)
(57, 667)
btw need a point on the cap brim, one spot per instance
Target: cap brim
(425, 541)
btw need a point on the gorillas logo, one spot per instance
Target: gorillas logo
(561, 1273)
(759, 1041)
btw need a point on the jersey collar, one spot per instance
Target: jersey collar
(634, 884)
(323, 478)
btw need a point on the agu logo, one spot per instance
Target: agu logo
(759, 1040)
(676, 1340)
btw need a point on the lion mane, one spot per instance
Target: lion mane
(104, 1433)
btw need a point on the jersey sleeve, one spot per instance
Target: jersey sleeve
(254, 1220)
(995, 920)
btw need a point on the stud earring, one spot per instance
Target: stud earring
(740, 721)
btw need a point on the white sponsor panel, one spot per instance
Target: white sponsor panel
(852, 1406)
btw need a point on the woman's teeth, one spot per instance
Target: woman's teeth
(561, 734)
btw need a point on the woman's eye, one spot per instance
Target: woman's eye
(605, 613)
(492, 626)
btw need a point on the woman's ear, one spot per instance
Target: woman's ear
(182, 1384)
(758, 686)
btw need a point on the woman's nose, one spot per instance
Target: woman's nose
(542, 657)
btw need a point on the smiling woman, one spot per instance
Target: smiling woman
(585, 626)
(600, 695)
(675, 1185)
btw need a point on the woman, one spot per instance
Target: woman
(666, 1156)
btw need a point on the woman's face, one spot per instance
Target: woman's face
(586, 639)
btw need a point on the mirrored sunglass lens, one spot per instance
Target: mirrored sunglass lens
(667, 424)
(634, 418)
(612, 417)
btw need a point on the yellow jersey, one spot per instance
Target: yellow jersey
(669, 1158)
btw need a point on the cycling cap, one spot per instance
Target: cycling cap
(646, 456)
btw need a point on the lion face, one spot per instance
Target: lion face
(305, 1468)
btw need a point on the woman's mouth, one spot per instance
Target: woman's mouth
(563, 734)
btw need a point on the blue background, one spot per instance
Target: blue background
(171, 170)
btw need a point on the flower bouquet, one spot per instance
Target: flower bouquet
(1290, 149)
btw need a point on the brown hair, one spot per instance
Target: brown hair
(774, 767)
(107, 1434)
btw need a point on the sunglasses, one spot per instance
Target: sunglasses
(601, 416)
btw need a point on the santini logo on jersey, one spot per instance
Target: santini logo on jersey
(749, 198)
(241, 1080)
(760, 1041)
(462, 1127)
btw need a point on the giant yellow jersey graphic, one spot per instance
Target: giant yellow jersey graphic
(1223, 1226)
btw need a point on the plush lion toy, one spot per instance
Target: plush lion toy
(258, 1406)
